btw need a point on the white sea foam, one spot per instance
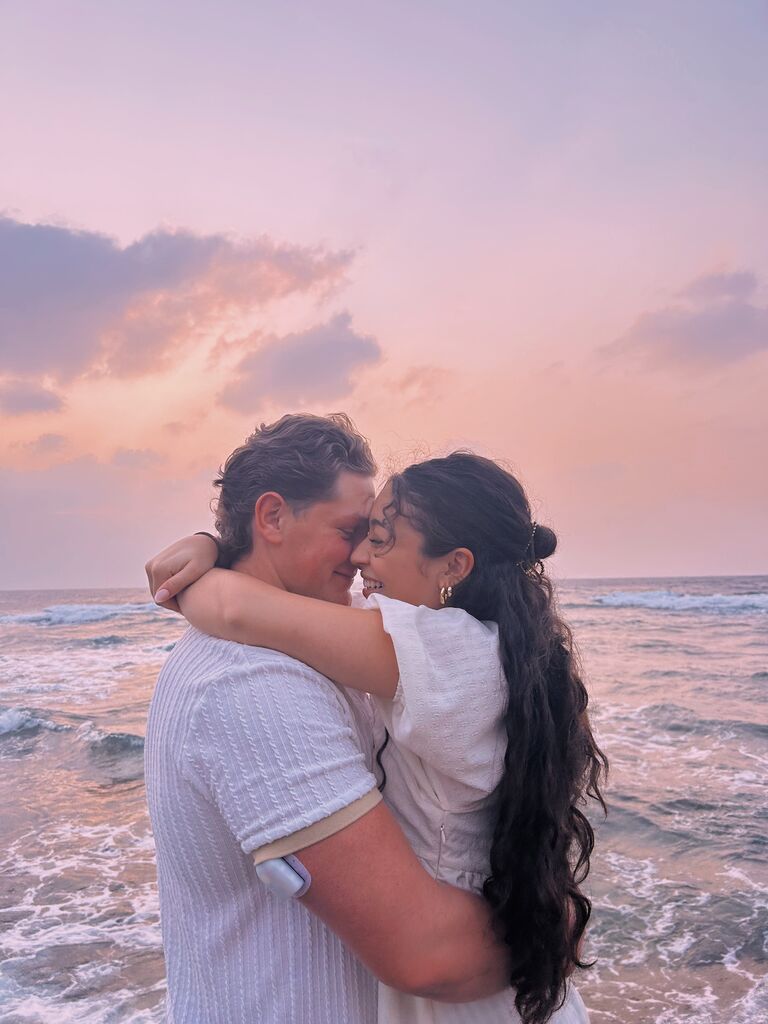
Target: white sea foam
(754, 1006)
(39, 1008)
(112, 905)
(99, 854)
(667, 600)
(80, 614)
(69, 675)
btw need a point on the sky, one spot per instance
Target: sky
(536, 230)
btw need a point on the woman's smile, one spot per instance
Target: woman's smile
(370, 585)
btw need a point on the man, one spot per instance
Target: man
(251, 756)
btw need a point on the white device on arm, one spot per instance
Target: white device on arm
(285, 876)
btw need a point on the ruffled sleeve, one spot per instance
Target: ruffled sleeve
(451, 693)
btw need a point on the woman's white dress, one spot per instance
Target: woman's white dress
(443, 762)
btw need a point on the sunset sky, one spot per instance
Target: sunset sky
(539, 230)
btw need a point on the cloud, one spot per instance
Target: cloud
(423, 385)
(737, 285)
(304, 367)
(135, 458)
(45, 444)
(714, 324)
(18, 397)
(75, 301)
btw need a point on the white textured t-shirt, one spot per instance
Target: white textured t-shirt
(245, 746)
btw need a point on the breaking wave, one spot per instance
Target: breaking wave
(79, 614)
(666, 600)
(111, 744)
(14, 720)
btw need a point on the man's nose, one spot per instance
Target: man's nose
(359, 556)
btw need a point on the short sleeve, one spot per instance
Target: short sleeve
(451, 692)
(273, 745)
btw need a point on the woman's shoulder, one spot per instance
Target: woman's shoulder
(450, 696)
(444, 656)
(439, 622)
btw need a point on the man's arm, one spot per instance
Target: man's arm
(414, 933)
(272, 745)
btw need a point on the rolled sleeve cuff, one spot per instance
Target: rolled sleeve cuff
(319, 830)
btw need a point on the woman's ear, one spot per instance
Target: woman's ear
(460, 564)
(269, 515)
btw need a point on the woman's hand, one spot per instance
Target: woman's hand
(179, 565)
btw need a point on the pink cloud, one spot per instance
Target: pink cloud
(46, 444)
(713, 324)
(18, 397)
(423, 384)
(301, 367)
(75, 301)
(135, 458)
(739, 284)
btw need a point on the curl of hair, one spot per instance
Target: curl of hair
(542, 840)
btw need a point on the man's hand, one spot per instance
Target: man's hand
(179, 565)
(414, 933)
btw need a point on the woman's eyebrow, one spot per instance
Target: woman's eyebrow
(377, 522)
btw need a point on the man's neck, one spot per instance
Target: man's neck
(255, 564)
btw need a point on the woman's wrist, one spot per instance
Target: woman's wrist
(222, 560)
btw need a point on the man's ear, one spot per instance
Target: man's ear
(269, 517)
(460, 563)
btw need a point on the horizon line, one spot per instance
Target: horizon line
(561, 579)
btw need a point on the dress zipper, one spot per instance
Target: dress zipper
(440, 850)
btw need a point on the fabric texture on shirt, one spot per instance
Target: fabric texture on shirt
(245, 746)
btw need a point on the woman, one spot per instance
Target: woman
(490, 751)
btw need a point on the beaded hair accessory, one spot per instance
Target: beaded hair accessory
(533, 566)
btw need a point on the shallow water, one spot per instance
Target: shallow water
(678, 672)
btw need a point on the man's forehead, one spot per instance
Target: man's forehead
(354, 495)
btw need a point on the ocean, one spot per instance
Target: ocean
(678, 675)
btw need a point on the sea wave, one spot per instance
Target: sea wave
(19, 719)
(13, 720)
(105, 641)
(79, 614)
(678, 719)
(667, 600)
(111, 744)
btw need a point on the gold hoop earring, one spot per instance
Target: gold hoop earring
(446, 593)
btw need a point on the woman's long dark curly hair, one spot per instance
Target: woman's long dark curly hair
(542, 840)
